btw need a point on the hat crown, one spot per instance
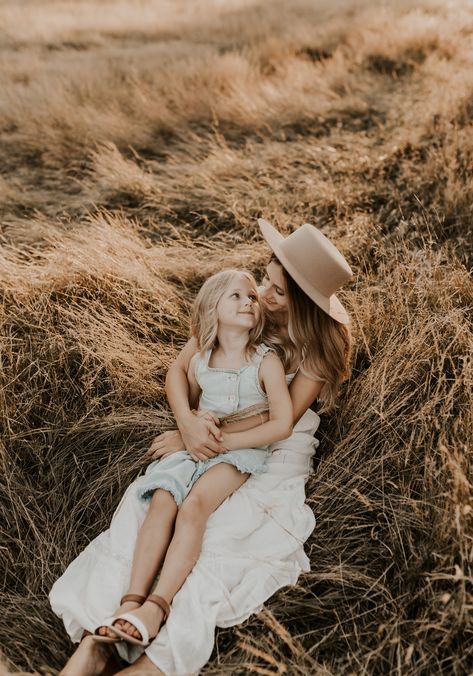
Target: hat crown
(317, 260)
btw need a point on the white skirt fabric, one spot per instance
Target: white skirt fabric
(253, 546)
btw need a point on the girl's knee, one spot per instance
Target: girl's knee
(163, 501)
(194, 508)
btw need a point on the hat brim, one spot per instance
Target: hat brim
(331, 305)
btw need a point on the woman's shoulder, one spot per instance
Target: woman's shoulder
(310, 373)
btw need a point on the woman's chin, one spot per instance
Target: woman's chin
(270, 307)
(276, 315)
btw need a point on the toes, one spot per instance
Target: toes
(129, 629)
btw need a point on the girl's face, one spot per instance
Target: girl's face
(239, 305)
(274, 291)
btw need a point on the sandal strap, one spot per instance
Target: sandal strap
(136, 598)
(162, 603)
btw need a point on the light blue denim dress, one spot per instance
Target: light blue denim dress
(224, 391)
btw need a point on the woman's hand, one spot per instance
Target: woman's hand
(211, 417)
(165, 444)
(201, 435)
(197, 436)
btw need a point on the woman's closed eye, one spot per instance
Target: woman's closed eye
(278, 289)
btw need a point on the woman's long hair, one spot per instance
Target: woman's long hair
(319, 343)
(204, 321)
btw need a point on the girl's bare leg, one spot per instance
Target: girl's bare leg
(152, 542)
(206, 495)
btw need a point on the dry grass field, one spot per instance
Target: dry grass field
(140, 140)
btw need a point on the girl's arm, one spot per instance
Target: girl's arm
(303, 391)
(279, 425)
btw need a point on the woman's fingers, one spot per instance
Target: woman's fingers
(199, 456)
(213, 429)
(216, 432)
(209, 415)
(167, 442)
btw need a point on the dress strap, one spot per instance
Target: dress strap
(260, 352)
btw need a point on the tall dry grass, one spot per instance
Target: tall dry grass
(140, 141)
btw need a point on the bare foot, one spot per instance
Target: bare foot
(124, 608)
(89, 659)
(150, 614)
(142, 666)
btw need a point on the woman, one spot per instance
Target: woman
(253, 544)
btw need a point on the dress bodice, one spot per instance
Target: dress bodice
(227, 391)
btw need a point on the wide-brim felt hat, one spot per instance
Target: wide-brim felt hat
(314, 263)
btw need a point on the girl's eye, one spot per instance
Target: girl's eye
(279, 292)
(235, 294)
(253, 297)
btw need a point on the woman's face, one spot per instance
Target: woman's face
(274, 291)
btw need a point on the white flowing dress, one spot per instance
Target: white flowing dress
(253, 546)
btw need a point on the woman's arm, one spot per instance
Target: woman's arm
(199, 435)
(279, 425)
(303, 391)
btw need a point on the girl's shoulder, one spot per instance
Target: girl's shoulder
(263, 351)
(268, 354)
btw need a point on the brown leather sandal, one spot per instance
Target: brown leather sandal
(138, 624)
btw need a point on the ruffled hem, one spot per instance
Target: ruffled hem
(168, 484)
(240, 466)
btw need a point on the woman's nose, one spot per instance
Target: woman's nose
(267, 291)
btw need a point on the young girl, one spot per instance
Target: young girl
(230, 372)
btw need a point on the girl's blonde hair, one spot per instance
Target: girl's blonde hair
(204, 322)
(315, 340)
